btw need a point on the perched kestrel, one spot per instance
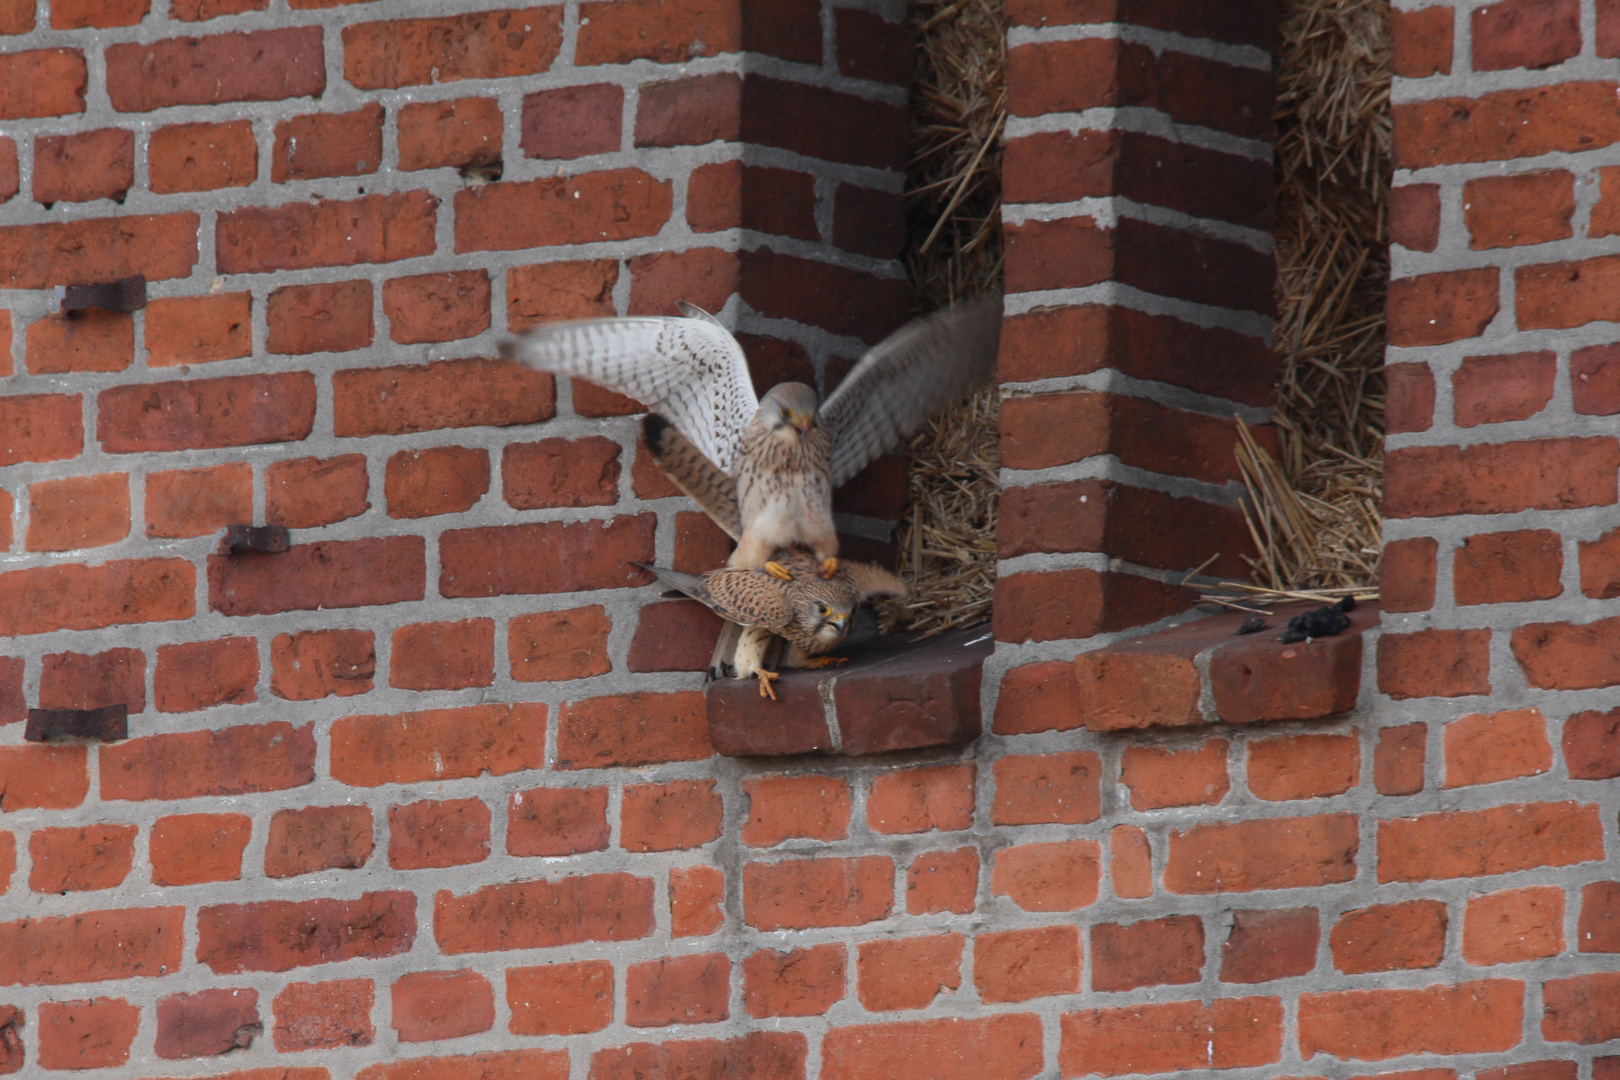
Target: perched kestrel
(792, 597)
(765, 469)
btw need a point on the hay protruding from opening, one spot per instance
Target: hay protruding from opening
(947, 534)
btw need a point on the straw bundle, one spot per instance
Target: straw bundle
(1315, 512)
(947, 535)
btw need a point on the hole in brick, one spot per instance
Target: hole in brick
(110, 723)
(481, 174)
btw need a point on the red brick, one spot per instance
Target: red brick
(1606, 214)
(157, 247)
(695, 896)
(907, 973)
(1304, 766)
(302, 235)
(1374, 1025)
(708, 276)
(795, 807)
(42, 82)
(1483, 749)
(16, 17)
(922, 800)
(305, 319)
(1422, 41)
(75, 597)
(1495, 389)
(92, 946)
(195, 502)
(1434, 663)
(766, 1055)
(81, 859)
(325, 574)
(1437, 308)
(1228, 1033)
(265, 65)
(1399, 759)
(1567, 294)
(323, 1016)
(431, 833)
(678, 990)
(1600, 566)
(560, 472)
(314, 664)
(328, 144)
(306, 493)
(82, 681)
(242, 410)
(632, 729)
(690, 112)
(478, 45)
(559, 290)
(1526, 208)
(83, 14)
(317, 838)
(1155, 952)
(101, 341)
(1571, 116)
(84, 166)
(1582, 1009)
(279, 935)
(78, 512)
(201, 157)
(675, 816)
(440, 480)
(86, 1034)
(1407, 574)
(553, 822)
(1513, 925)
(1130, 862)
(13, 703)
(1275, 853)
(1592, 745)
(1414, 209)
(41, 427)
(272, 756)
(731, 195)
(1559, 656)
(1037, 697)
(430, 1005)
(616, 204)
(42, 777)
(560, 999)
(1033, 789)
(1017, 965)
(1141, 433)
(1389, 937)
(1067, 604)
(1500, 840)
(818, 892)
(939, 881)
(544, 914)
(554, 646)
(1004, 1047)
(1525, 33)
(438, 744)
(203, 10)
(573, 121)
(1533, 1070)
(1598, 930)
(803, 982)
(437, 307)
(443, 655)
(501, 1065)
(663, 32)
(1159, 778)
(1059, 876)
(1266, 945)
(190, 849)
(700, 545)
(458, 134)
(206, 1023)
(444, 394)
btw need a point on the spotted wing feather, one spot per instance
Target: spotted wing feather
(690, 370)
(910, 376)
(705, 482)
(750, 597)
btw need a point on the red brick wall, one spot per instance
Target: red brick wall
(432, 794)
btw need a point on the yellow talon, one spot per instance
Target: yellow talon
(776, 570)
(765, 680)
(829, 568)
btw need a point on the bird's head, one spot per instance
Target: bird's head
(824, 616)
(789, 411)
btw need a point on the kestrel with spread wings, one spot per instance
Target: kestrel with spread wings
(765, 468)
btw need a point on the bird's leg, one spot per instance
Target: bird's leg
(829, 567)
(765, 680)
(776, 570)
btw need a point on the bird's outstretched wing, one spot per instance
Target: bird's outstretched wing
(706, 483)
(689, 369)
(911, 375)
(746, 597)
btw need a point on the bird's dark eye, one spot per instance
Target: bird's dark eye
(823, 609)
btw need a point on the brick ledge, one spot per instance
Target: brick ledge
(1204, 672)
(893, 695)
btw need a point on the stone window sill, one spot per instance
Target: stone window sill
(1204, 672)
(892, 695)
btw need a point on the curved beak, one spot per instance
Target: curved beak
(839, 623)
(800, 422)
